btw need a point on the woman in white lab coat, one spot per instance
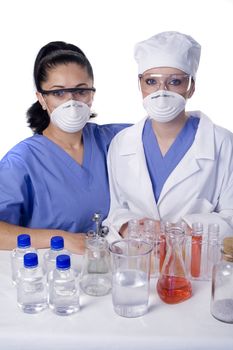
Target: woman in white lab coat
(173, 164)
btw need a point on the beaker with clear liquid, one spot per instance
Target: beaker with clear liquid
(130, 276)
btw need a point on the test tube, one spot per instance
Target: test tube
(164, 226)
(197, 232)
(149, 235)
(213, 252)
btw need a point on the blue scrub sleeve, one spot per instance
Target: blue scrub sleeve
(13, 191)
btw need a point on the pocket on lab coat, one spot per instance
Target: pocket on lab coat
(201, 205)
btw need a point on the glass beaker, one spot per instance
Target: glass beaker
(173, 285)
(130, 276)
(96, 274)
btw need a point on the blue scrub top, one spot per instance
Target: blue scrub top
(41, 186)
(159, 166)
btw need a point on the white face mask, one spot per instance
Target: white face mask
(164, 106)
(71, 116)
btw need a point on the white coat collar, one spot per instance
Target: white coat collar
(203, 148)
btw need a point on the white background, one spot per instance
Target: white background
(107, 30)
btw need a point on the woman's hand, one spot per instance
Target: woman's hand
(124, 230)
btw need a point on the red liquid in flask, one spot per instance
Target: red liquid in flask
(172, 289)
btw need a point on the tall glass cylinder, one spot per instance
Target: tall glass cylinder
(130, 276)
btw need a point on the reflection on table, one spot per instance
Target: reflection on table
(188, 325)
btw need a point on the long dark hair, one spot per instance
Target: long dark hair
(49, 56)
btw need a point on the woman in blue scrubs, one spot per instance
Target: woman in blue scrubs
(53, 182)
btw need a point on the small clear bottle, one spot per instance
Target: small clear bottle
(222, 284)
(96, 275)
(63, 288)
(17, 254)
(31, 286)
(149, 230)
(56, 248)
(134, 231)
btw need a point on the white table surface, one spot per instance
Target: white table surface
(188, 325)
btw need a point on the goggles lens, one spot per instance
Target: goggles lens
(79, 94)
(151, 82)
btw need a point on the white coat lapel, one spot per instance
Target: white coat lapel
(187, 167)
(202, 148)
(141, 190)
(144, 187)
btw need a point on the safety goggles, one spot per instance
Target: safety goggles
(78, 93)
(151, 82)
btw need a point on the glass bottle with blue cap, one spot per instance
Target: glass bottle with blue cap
(31, 287)
(63, 288)
(17, 254)
(56, 248)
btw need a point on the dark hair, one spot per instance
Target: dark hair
(49, 56)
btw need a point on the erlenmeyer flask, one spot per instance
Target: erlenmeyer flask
(173, 285)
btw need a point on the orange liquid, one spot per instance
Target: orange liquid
(196, 256)
(173, 289)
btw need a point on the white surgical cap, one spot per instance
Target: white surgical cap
(168, 49)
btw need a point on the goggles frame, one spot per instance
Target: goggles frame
(164, 79)
(72, 90)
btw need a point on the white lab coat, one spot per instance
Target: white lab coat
(200, 188)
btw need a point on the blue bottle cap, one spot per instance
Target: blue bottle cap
(57, 243)
(30, 260)
(63, 261)
(23, 241)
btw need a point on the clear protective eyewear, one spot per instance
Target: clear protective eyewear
(151, 82)
(78, 93)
